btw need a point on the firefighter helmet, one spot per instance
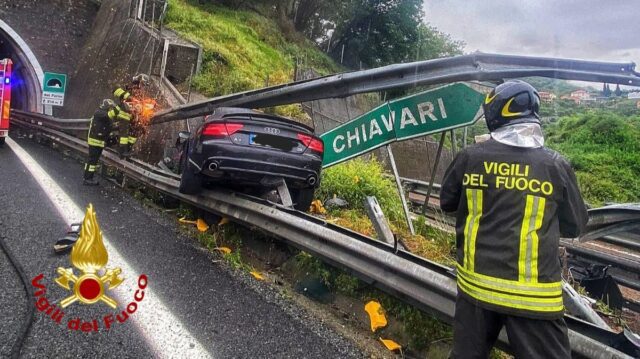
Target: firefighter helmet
(107, 103)
(140, 80)
(510, 103)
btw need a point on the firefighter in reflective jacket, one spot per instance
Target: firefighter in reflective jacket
(99, 130)
(513, 200)
(129, 126)
(125, 119)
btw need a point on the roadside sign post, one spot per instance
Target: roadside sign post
(53, 88)
(407, 214)
(425, 205)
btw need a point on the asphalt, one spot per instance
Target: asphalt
(229, 313)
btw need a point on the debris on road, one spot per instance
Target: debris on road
(376, 315)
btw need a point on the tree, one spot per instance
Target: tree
(606, 91)
(618, 92)
(380, 32)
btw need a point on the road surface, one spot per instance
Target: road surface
(192, 307)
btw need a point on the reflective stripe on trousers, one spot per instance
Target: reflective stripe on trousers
(95, 142)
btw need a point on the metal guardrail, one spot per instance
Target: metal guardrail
(474, 67)
(74, 125)
(416, 280)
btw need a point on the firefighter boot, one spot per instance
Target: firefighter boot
(89, 177)
(124, 150)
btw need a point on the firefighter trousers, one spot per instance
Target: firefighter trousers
(92, 161)
(475, 331)
(99, 130)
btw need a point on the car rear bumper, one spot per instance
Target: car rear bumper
(247, 164)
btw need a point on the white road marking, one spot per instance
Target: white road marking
(164, 332)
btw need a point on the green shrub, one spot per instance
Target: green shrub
(604, 149)
(356, 179)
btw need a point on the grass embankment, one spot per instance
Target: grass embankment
(242, 50)
(604, 150)
(354, 181)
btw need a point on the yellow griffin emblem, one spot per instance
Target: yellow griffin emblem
(89, 256)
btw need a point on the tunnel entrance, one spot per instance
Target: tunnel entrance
(26, 81)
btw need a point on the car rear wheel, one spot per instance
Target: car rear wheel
(190, 182)
(302, 198)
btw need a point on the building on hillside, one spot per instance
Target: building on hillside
(633, 95)
(579, 97)
(547, 96)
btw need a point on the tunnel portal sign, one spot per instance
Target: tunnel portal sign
(428, 112)
(53, 89)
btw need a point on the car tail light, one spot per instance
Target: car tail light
(221, 129)
(313, 143)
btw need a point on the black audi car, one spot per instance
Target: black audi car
(241, 148)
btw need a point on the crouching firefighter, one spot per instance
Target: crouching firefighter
(99, 130)
(125, 118)
(513, 200)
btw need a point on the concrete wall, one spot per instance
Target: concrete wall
(117, 49)
(54, 32)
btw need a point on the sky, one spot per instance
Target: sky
(605, 30)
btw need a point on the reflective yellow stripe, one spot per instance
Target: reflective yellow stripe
(111, 114)
(474, 206)
(535, 240)
(512, 301)
(132, 140)
(124, 116)
(94, 142)
(124, 140)
(118, 92)
(511, 286)
(126, 96)
(90, 168)
(531, 223)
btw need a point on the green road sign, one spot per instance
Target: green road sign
(428, 112)
(364, 133)
(54, 82)
(53, 88)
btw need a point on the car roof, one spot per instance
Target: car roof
(226, 112)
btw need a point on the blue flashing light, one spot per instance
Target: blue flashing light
(7, 80)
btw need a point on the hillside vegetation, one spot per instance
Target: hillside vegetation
(242, 49)
(604, 149)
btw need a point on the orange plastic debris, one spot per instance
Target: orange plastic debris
(225, 250)
(257, 275)
(202, 225)
(317, 207)
(376, 315)
(223, 221)
(390, 344)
